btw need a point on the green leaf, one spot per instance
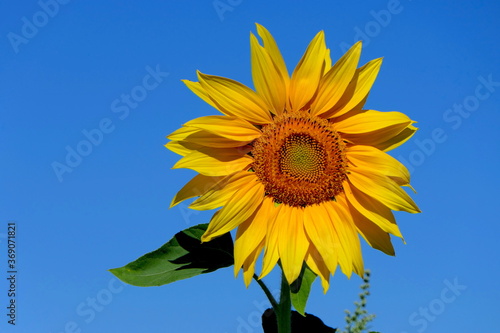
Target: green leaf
(184, 256)
(300, 289)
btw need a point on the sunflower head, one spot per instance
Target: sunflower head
(300, 160)
(298, 165)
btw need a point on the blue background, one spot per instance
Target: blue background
(68, 75)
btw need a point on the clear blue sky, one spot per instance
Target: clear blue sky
(66, 70)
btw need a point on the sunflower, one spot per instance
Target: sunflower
(298, 165)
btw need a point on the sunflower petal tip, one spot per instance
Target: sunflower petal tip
(199, 74)
(236, 272)
(172, 203)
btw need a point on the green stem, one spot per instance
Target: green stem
(266, 291)
(284, 310)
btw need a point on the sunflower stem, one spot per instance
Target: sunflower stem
(284, 309)
(267, 292)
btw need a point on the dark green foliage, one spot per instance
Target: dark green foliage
(184, 256)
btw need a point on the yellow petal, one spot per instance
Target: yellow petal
(235, 99)
(334, 83)
(200, 137)
(397, 140)
(292, 242)
(372, 233)
(305, 78)
(252, 232)
(383, 189)
(195, 187)
(373, 210)
(315, 262)
(271, 254)
(199, 91)
(228, 127)
(374, 128)
(181, 133)
(320, 231)
(328, 62)
(215, 161)
(268, 80)
(358, 89)
(374, 160)
(372, 121)
(181, 147)
(221, 192)
(272, 49)
(342, 249)
(348, 236)
(236, 211)
(249, 264)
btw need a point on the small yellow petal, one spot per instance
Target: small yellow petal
(181, 147)
(348, 236)
(375, 160)
(272, 49)
(268, 80)
(315, 262)
(292, 242)
(305, 78)
(334, 83)
(372, 121)
(181, 133)
(320, 230)
(236, 211)
(232, 128)
(195, 187)
(383, 189)
(249, 264)
(373, 210)
(328, 61)
(358, 89)
(215, 161)
(383, 130)
(200, 92)
(251, 232)
(221, 192)
(235, 99)
(396, 140)
(271, 254)
(372, 233)
(193, 138)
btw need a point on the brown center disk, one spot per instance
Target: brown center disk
(300, 160)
